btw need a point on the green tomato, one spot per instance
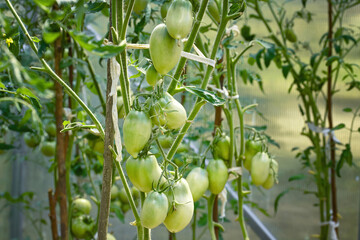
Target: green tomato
(135, 193)
(137, 131)
(165, 51)
(214, 11)
(50, 128)
(168, 112)
(290, 35)
(152, 76)
(48, 148)
(114, 192)
(271, 179)
(218, 175)
(198, 182)
(140, 5)
(154, 210)
(125, 207)
(110, 237)
(178, 162)
(222, 148)
(98, 146)
(165, 8)
(115, 205)
(181, 206)
(32, 140)
(179, 19)
(81, 206)
(165, 141)
(252, 147)
(260, 168)
(144, 172)
(82, 227)
(182, 148)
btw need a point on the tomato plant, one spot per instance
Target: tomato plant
(179, 19)
(154, 210)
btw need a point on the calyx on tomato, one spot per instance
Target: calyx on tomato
(137, 131)
(165, 51)
(198, 182)
(222, 148)
(154, 210)
(272, 178)
(218, 175)
(260, 168)
(181, 206)
(179, 19)
(144, 172)
(251, 148)
(168, 112)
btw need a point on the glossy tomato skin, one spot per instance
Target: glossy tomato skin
(271, 179)
(140, 6)
(48, 148)
(181, 206)
(154, 210)
(165, 51)
(137, 131)
(144, 172)
(179, 19)
(32, 140)
(198, 182)
(218, 175)
(260, 168)
(252, 147)
(168, 112)
(82, 227)
(152, 76)
(81, 206)
(222, 148)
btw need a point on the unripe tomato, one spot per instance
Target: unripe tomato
(165, 51)
(137, 131)
(81, 206)
(115, 205)
(260, 168)
(290, 35)
(135, 193)
(31, 140)
(222, 148)
(218, 175)
(271, 179)
(48, 148)
(110, 237)
(152, 76)
(181, 206)
(154, 210)
(82, 227)
(252, 147)
(125, 207)
(179, 19)
(114, 192)
(122, 196)
(198, 182)
(139, 6)
(98, 146)
(169, 112)
(165, 141)
(144, 172)
(165, 8)
(214, 11)
(50, 128)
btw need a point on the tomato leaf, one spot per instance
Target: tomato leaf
(346, 156)
(2, 85)
(4, 146)
(296, 177)
(207, 95)
(276, 203)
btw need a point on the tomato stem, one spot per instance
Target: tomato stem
(211, 200)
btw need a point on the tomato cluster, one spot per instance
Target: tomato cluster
(82, 224)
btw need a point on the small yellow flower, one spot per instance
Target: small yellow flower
(4, 35)
(9, 41)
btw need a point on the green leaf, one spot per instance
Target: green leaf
(84, 40)
(331, 59)
(35, 39)
(44, 3)
(338, 127)
(97, 6)
(269, 55)
(296, 177)
(347, 110)
(50, 37)
(65, 123)
(263, 43)
(109, 51)
(276, 203)
(4, 146)
(207, 95)
(2, 85)
(285, 70)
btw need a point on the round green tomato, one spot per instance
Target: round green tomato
(135, 193)
(154, 210)
(82, 227)
(110, 237)
(218, 175)
(165, 51)
(182, 148)
(290, 35)
(125, 207)
(164, 9)
(50, 128)
(198, 182)
(260, 168)
(137, 131)
(214, 11)
(179, 19)
(115, 205)
(168, 112)
(178, 162)
(252, 147)
(222, 148)
(139, 6)
(271, 179)
(123, 197)
(144, 172)
(81, 206)
(114, 192)
(99, 146)
(152, 76)
(32, 140)
(48, 148)
(181, 206)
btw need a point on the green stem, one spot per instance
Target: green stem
(96, 84)
(88, 171)
(193, 225)
(147, 235)
(211, 200)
